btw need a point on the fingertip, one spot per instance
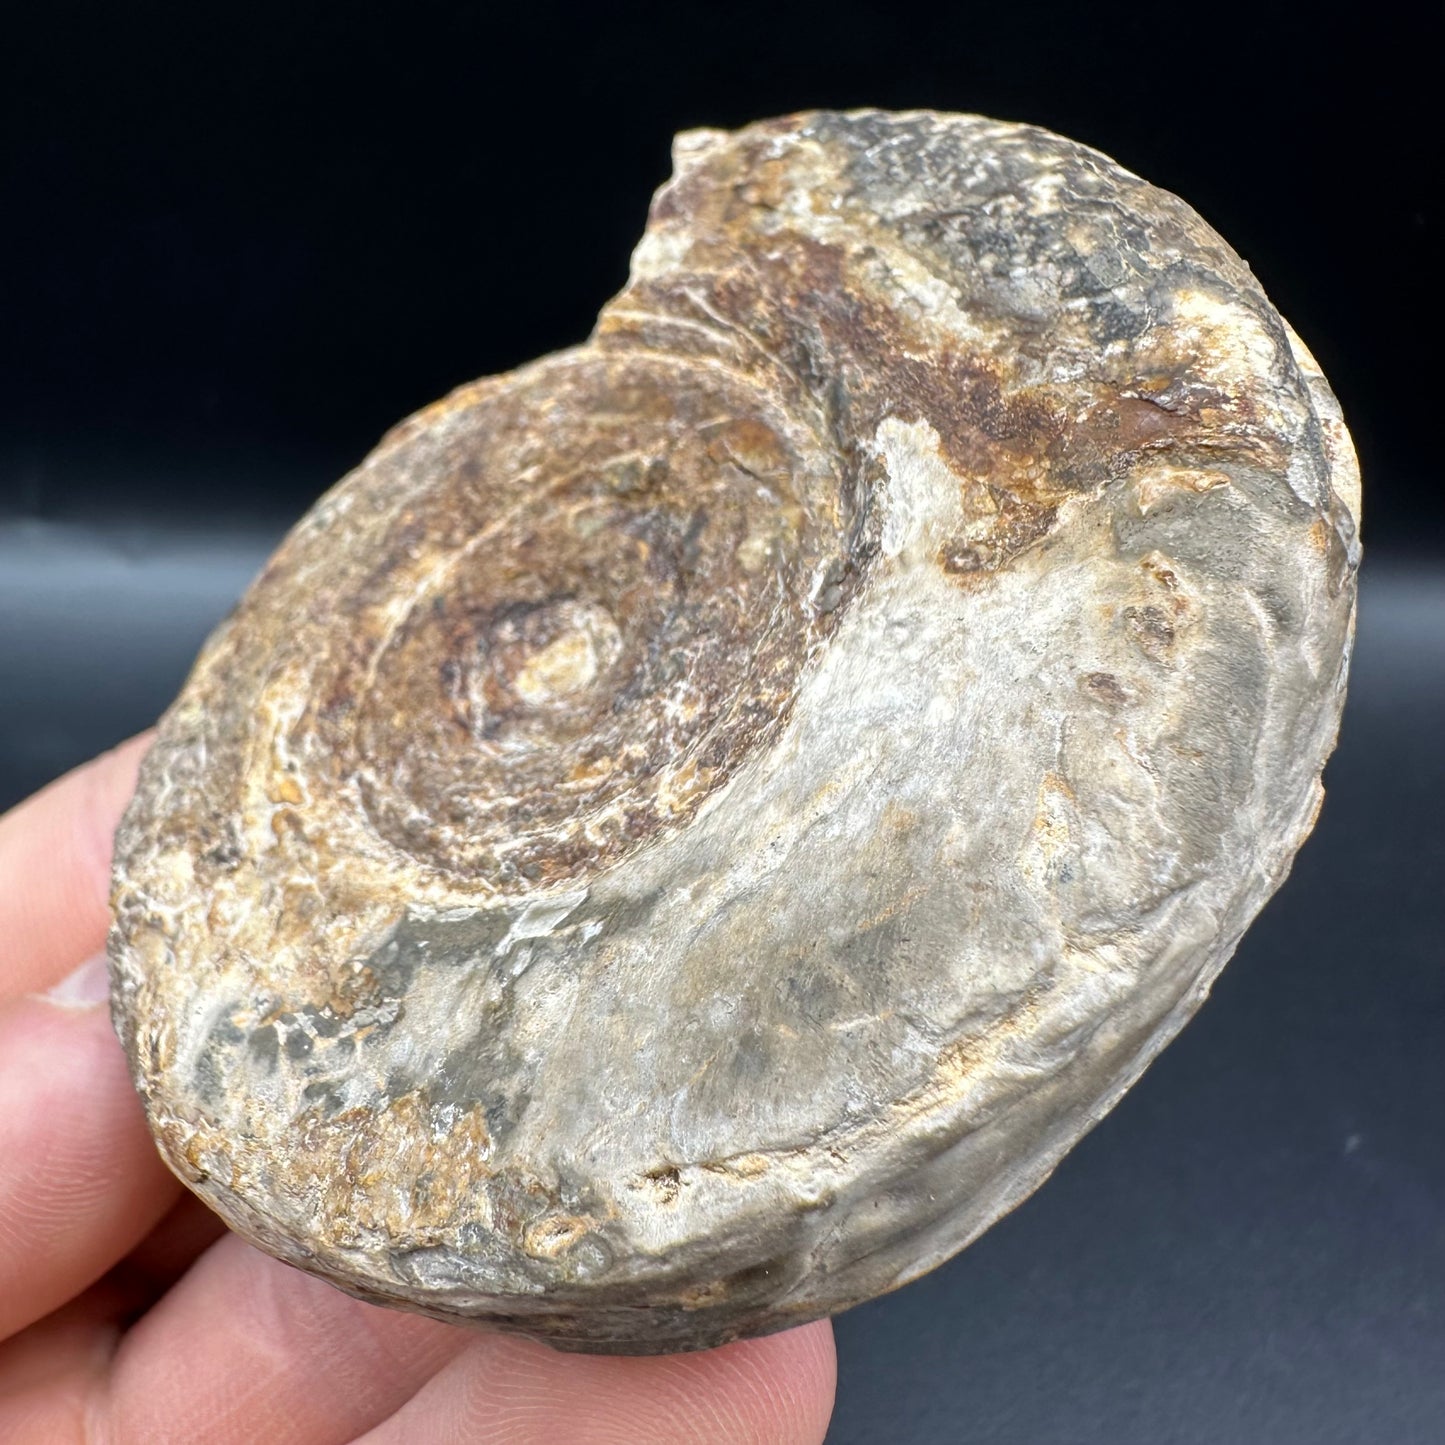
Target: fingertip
(508, 1390)
(83, 988)
(806, 1359)
(777, 1388)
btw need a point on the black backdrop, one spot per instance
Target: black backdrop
(239, 248)
(237, 243)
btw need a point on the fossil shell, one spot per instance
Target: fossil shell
(689, 832)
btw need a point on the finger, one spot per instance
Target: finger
(58, 1359)
(509, 1391)
(52, 1372)
(80, 1180)
(169, 1250)
(246, 1349)
(55, 865)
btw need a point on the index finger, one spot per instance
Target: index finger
(55, 851)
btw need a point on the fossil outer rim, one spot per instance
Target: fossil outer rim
(688, 833)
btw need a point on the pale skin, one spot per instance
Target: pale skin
(129, 1314)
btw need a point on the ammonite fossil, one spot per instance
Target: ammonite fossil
(689, 832)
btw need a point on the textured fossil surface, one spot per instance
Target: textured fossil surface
(689, 832)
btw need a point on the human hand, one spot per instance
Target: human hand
(129, 1314)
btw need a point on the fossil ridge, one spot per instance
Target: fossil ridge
(691, 831)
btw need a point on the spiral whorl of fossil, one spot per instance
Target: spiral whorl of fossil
(689, 832)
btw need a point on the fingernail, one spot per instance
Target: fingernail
(88, 986)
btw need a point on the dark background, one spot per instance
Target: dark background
(236, 244)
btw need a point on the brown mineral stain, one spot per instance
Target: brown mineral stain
(1104, 687)
(409, 1170)
(745, 1167)
(898, 819)
(700, 1295)
(1161, 570)
(286, 790)
(580, 688)
(754, 446)
(1160, 485)
(815, 308)
(555, 1235)
(286, 823)
(1152, 630)
(961, 558)
(662, 1185)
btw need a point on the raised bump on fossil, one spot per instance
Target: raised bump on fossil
(689, 832)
